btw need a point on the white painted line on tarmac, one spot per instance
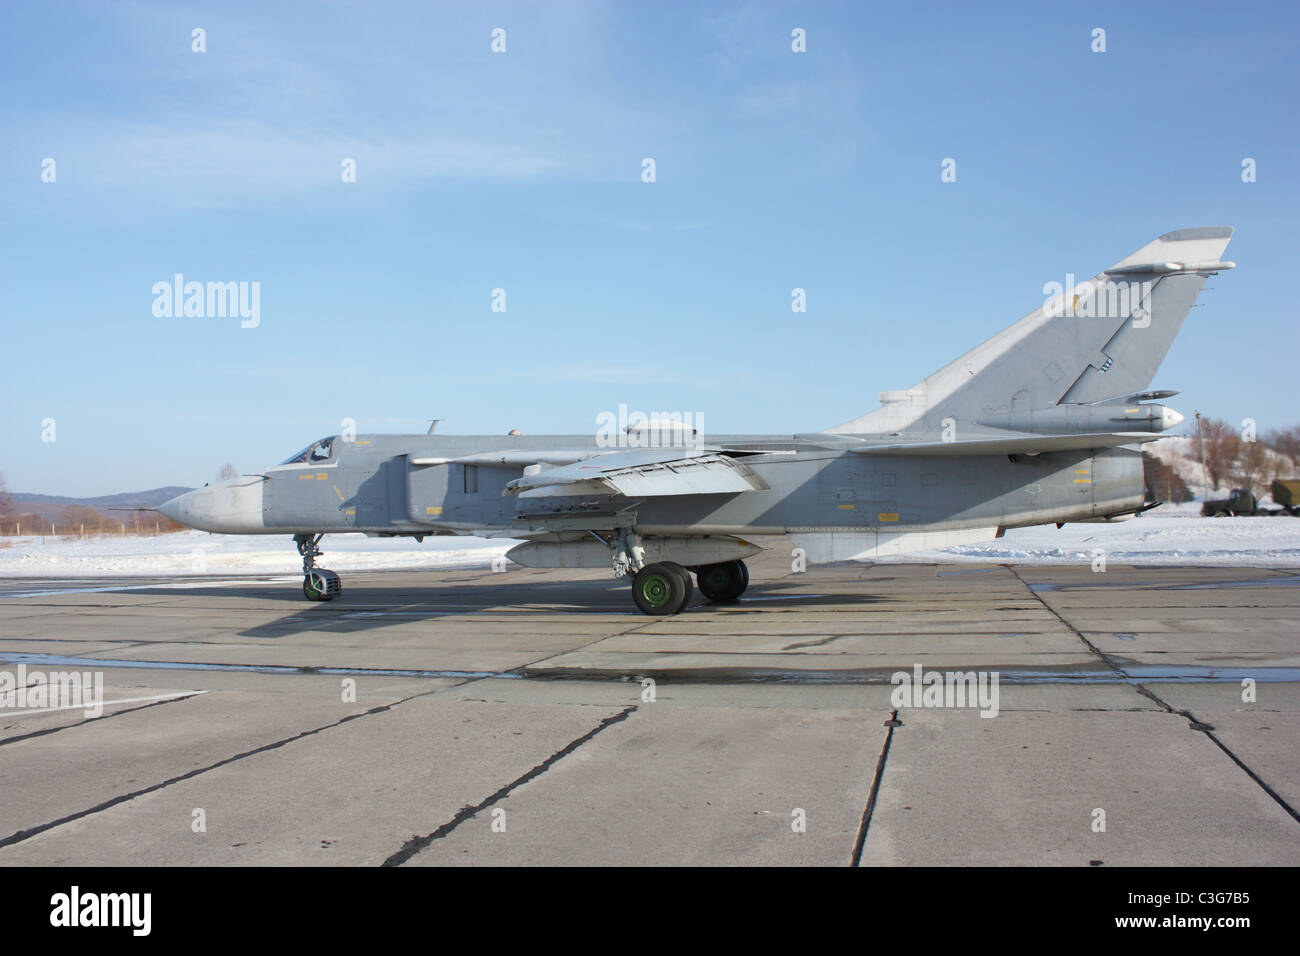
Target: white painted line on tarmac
(107, 703)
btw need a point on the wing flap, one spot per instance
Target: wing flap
(637, 475)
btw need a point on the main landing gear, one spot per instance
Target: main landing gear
(318, 584)
(724, 582)
(665, 587)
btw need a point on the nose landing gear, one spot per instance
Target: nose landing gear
(318, 584)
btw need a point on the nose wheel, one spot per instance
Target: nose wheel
(321, 585)
(318, 584)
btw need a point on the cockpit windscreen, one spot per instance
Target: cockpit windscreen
(315, 452)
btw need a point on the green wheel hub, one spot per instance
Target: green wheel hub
(656, 589)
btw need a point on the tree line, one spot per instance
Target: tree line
(1235, 457)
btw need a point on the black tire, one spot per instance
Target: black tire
(1221, 514)
(723, 582)
(321, 585)
(658, 589)
(688, 583)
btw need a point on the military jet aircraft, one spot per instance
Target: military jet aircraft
(1037, 425)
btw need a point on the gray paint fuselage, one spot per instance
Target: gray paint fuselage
(371, 485)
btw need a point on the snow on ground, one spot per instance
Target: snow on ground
(200, 553)
(1170, 534)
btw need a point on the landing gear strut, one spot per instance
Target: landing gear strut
(318, 584)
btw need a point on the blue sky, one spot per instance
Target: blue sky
(522, 171)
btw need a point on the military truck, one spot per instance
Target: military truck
(1286, 493)
(1242, 502)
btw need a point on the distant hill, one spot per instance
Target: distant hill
(128, 499)
(49, 506)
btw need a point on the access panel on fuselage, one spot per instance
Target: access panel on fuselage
(844, 493)
(460, 493)
(426, 492)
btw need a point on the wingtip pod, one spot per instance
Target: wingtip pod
(1171, 268)
(1183, 250)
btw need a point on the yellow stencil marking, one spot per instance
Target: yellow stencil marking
(337, 492)
(367, 442)
(322, 476)
(846, 507)
(887, 516)
(1081, 471)
(433, 510)
(1083, 481)
(351, 512)
(308, 477)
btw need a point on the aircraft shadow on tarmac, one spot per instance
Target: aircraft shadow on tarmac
(369, 607)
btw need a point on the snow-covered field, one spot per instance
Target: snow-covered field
(1168, 535)
(200, 553)
(1171, 534)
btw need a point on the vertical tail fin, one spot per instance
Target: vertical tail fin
(1090, 341)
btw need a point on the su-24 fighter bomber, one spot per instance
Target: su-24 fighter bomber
(1040, 424)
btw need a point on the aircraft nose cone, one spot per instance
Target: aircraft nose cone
(192, 509)
(230, 507)
(172, 508)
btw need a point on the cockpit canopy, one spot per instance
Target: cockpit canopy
(322, 450)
